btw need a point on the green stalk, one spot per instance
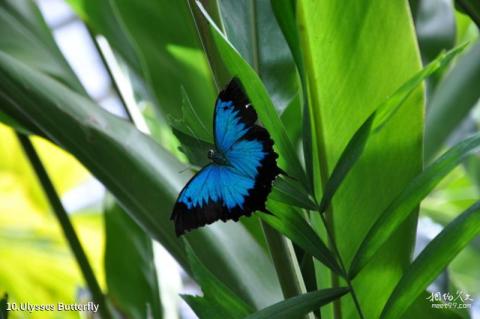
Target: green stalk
(66, 225)
(319, 147)
(283, 261)
(333, 244)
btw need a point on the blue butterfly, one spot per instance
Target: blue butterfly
(243, 166)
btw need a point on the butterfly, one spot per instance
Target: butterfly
(243, 167)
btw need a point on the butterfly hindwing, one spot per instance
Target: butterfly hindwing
(223, 192)
(216, 192)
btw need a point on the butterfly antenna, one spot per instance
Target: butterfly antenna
(185, 169)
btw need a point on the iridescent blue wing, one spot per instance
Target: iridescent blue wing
(223, 192)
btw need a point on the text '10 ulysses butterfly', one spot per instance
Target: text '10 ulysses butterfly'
(243, 166)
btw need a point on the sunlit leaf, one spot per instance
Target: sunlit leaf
(402, 206)
(376, 121)
(432, 260)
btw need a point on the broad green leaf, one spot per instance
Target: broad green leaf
(25, 35)
(252, 29)
(403, 205)
(452, 101)
(375, 122)
(299, 306)
(349, 157)
(289, 222)
(129, 265)
(3, 307)
(259, 97)
(110, 147)
(432, 260)
(356, 54)
(159, 41)
(217, 298)
(292, 120)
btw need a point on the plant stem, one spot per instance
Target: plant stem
(66, 225)
(333, 243)
(284, 261)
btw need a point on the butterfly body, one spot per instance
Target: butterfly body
(217, 157)
(243, 166)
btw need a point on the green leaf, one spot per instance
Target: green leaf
(285, 13)
(470, 7)
(109, 147)
(259, 97)
(141, 32)
(251, 28)
(203, 308)
(349, 157)
(289, 222)
(432, 260)
(292, 120)
(287, 190)
(355, 55)
(3, 307)
(299, 306)
(129, 265)
(217, 298)
(452, 101)
(422, 308)
(378, 119)
(25, 35)
(402, 206)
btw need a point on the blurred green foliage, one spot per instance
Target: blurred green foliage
(337, 85)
